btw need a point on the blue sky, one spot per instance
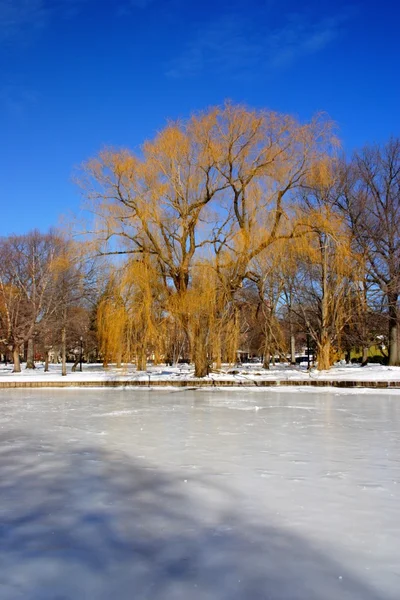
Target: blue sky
(76, 75)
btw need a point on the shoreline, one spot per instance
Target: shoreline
(196, 383)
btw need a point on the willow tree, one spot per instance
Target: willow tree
(144, 301)
(268, 273)
(327, 272)
(112, 321)
(153, 203)
(264, 158)
(221, 182)
(129, 315)
(198, 305)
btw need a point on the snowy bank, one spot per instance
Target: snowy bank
(252, 375)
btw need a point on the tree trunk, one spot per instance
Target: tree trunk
(141, 360)
(324, 342)
(267, 359)
(267, 349)
(324, 354)
(46, 360)
(393, 354)
(17, 363)
(64, 351)
(398, 338)
(119, 359)
(292, 349)
(30, 358)
(364, 359)
(201, 367)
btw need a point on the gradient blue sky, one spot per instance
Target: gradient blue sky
(76, 75)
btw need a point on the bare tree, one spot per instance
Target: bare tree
(75, 285)
(372, 203)
(327, 265)
(26, 276)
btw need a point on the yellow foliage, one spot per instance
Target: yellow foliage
(223, 186)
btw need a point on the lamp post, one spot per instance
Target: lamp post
(80, 361)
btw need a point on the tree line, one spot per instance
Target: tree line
(47, 292)
(236, 229)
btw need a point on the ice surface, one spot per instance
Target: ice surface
(199, 495)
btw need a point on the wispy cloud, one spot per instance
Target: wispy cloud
(300, 37)
(232, 46)
(16, 15)
(224, 46)
(21, 17)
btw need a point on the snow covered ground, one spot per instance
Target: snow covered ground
(199, 495)
(242, 373)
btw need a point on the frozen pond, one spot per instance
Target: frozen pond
(199, 495)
